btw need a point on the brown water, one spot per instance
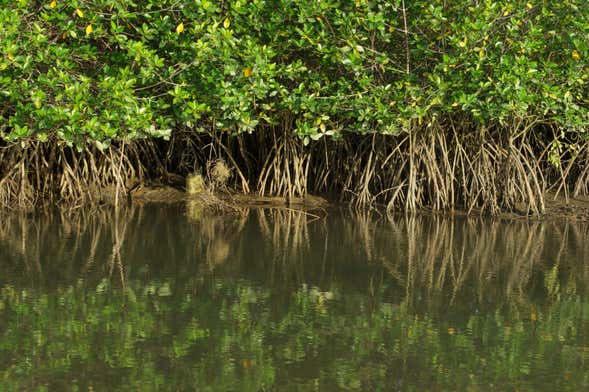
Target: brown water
(166, 298)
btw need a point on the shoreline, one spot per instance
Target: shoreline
(556, 207)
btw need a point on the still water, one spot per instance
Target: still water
(165, 298)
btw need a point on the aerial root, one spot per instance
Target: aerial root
(41, 172)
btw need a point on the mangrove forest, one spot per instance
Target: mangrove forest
(409, 104)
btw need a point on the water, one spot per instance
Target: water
(166, 298)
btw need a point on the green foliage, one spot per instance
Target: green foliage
(80, 72)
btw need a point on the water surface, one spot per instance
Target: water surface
(166, 298)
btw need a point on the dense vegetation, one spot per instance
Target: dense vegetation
(417, 103)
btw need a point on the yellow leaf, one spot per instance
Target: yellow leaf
(530, 6)
(576, 55)
(180, 28)
(227, 23)
(451, 331)
(53, 4)
(88, 29)
(481, 53)
(533, 316)
(247, 72)
(10, 57)
(79, 13)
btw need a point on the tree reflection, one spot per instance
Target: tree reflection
(155, 298)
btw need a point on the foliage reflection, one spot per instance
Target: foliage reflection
(157, 299)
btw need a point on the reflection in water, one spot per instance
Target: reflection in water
(266, 299)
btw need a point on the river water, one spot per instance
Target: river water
(168, 298)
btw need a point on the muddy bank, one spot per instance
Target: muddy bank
(556, 207)
(206, 198)
(575, 208)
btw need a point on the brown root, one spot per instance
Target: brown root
(286, 168)
(36, 173)
(440, 165)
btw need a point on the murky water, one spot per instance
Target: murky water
(163, 298)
